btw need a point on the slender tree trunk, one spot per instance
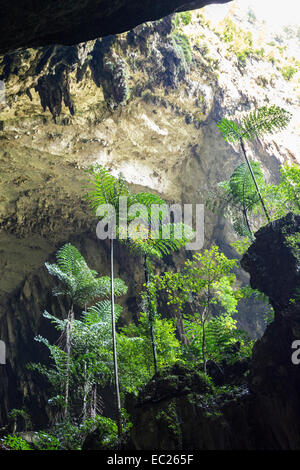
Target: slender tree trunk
(203, 347)
(85, 393)
(151, 315)
(205, 315)
(255, 182)
(247, 221)
(69, 351)
(181, 328)
(94, 402)
(113, 321)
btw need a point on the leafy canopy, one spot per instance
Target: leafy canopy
(285, 196)
(200, 279)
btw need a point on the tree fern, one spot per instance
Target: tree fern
(229, 130)
(241, 196)
(261, 121)
(222, 338)
(104, 188)
(77, 280)
(264, 120)
(82, 286)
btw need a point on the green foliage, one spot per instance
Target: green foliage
(261, 121)
(269, 316)
(206, 280)
(183, 46)
(204, 272)
(230, 31)
(46, 441)
(264, 120)
(135, 350)
(284, 197)
(185, 17)
(16, 443)
(230, 130)
(104, 188)
(15, 414)
(77, 280)
(242, 245)
(288, 71)
(169, 419)
(224, 342)
(107, 430)
(69, 436)
(179, 20)
(240, 198)
(88, 361)
(91, 359)
(293, 242)
(240, 41)
(241, 186)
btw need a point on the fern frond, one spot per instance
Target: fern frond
(100, 313)
(104, 188)
(264, 120)
(78, 281)
(229, 130)
(242, 187)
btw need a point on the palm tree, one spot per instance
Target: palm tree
(264, 120)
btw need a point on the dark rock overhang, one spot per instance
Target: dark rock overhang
(34, 23)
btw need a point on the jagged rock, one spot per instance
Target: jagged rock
(53, 89)
(194, 418)
(273, 263)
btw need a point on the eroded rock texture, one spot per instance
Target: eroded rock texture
(38, 23)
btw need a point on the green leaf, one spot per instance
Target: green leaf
(264, 120)
(229, 130)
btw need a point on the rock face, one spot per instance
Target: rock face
(179, 411)
(273, 262)
(33, 24)
(145, 103)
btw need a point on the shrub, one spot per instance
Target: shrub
(182, 44)
(16, 443)
(288, 71)
(186, 17)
